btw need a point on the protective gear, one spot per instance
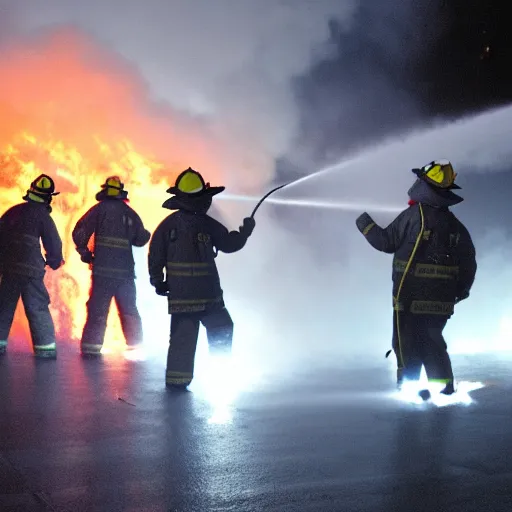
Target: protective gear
(36, 300)
(183, 342)
(434, 264)
(248, 227)
(116, 228)
(162, 289)
(41, 190)
(87, 257)
(185, 244)
(103, 290)
(113, 188)
(114, 238)
(22, 266)
(438, 173)
(190, 183)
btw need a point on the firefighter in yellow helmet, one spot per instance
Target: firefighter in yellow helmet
(434, 268)
(104, 238)
(22, 266)
(182, 267)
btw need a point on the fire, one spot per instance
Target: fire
(70, 111)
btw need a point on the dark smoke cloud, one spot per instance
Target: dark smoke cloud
(401, 65)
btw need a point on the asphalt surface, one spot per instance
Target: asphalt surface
(79, 435)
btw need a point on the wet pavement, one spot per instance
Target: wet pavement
(79, 435)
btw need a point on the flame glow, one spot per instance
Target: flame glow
(71, 112)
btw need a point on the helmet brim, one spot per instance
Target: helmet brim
(419, 173)
(208, 191)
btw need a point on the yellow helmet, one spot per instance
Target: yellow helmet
(438, 173)
(41, 190)
(191, 183)
(113, 185)
(113, 188)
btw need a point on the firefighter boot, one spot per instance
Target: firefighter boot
(177, 381)
(90, 350)
(449, 389)
(424, 394)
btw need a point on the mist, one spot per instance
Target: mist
(307, 291)
(228, 64)
(314, 293)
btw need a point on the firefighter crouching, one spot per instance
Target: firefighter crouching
(22, 266)
(434, 268)
(184, 245)
(116, 228)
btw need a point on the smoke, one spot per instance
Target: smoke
(228, 63)
(316, 295)
(218, 77)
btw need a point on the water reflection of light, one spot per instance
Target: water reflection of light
(219, 381)
(410, 392)
(135, 354)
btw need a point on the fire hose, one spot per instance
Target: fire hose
(260, 202)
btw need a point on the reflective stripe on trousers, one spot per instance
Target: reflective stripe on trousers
(90, 348)
(178, 378)
(50, 346)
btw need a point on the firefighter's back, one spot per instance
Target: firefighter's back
(22, 227)
(192, 274)
(431, 283)
(112, 247)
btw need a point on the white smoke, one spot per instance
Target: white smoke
(323, 296)
(228, 61)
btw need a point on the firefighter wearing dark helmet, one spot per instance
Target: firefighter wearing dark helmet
(434, 268)
(182, 267)
(104, 238)
(22, 266)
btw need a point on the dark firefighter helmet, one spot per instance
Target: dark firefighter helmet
(113, 188)
(438, 173)
(190, 183)
(41, 190)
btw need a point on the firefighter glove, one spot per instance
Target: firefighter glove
(87, 257)
(248, 227)
(161, 289)
(55, 265)
(363, 221)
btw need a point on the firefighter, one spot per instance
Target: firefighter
(104, 237)
(185, 245)
(434, 268)
(22, 266)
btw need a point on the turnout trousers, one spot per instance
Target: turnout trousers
(103, 290)
(419, 340)
(36, 301)
(183, 342)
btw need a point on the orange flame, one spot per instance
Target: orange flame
(69, 110)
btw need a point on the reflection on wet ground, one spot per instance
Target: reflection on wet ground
(85, 435)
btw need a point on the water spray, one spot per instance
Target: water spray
(311, 203)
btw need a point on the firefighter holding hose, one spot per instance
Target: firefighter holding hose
(22, 266)
(182, 267)
(104, 238)
(434, 268)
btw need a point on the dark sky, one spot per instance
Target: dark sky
(401, 66)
